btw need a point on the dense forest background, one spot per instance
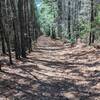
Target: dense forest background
(69, 19)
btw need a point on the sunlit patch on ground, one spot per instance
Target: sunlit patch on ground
(53, 74)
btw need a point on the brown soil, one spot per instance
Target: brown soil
(44, 41)
(53, 73)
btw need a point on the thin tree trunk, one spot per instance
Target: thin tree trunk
(3, 43)
(59, 18)
(92, 35)
(69, 19)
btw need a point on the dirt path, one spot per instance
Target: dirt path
(53, 73)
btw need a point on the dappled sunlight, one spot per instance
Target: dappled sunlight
(50, 77)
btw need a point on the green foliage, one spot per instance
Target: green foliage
(47, 16)
(83, 28)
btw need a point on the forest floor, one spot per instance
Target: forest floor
(53, 72)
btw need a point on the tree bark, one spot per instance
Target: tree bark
(22, 27)
(92, 35)
(15, 28)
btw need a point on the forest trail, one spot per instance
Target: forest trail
(53, 73)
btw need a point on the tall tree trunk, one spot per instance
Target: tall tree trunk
(1, 33)
(59, 18)
(92, 35)
(69, 20)
(15, 28)
(28, 24)
(22, 27)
